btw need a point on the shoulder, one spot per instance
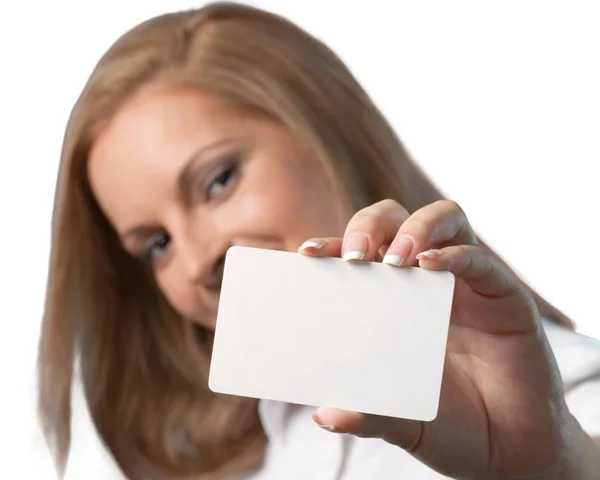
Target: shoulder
(578, 359)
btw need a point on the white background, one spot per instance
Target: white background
(500, 103)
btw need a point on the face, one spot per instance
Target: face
(182, 177)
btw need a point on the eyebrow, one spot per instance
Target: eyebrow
(184, 179)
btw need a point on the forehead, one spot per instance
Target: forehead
(150, 139)
(156, 123)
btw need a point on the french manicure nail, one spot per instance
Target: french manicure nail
(355, 247)
(316, 244)
(350, 256)
(429, 254)
(329, 428)
(403, 244)
(395, 260)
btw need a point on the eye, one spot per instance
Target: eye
(223, 180)
(158, 248)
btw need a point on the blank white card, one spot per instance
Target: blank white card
(360, 336)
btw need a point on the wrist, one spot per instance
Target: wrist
(578, 459)
(581, 458)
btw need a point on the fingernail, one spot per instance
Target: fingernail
(403, 244)
(355, 247)
(401, 248)
(429, 254)
(395, 260)
(316, 244)
(329, 428)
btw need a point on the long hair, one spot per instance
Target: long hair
(143, 368)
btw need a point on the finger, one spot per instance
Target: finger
(400, 432)
(329, 247)
(483, 271)
(372, 228)
(322, 247)
(435, 225)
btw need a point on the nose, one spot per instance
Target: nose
(201, 260)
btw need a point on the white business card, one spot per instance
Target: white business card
(360, 336)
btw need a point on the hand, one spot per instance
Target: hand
(502, 410)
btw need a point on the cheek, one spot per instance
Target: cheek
(275, 213)
(269, 207)
(286, 201)
(307, 209)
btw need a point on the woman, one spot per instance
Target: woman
(230, 126)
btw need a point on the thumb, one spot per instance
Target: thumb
(400, 432)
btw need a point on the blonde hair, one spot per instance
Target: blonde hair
(144, 369)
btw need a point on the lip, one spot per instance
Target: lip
(214, 288)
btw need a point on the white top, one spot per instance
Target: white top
(299, 450)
